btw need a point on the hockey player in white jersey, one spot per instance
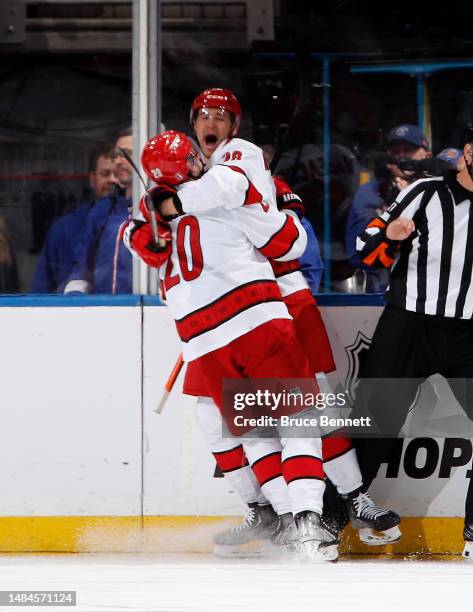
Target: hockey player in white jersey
(226, 302)
(215, 117)
(375, 525)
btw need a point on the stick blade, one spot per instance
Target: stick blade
(162, 401)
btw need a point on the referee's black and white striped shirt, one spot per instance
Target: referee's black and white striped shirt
(431, 272)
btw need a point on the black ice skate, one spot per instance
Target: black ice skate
(336, 518)
(259, 524)
(316, 542)
(285, 532)
(376, 526)
(468, 537)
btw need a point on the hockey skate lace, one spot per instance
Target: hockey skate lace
(248, 522)
(365, 506)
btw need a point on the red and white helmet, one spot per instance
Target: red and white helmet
(165, 158)
(223, 99)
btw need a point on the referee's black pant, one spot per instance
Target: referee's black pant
(412, 346)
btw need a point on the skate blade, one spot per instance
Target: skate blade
(251, 550)
(379, 538)
(467, 553)
(289, 541)
(314, 551)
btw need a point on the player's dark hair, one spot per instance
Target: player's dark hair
(126, 132)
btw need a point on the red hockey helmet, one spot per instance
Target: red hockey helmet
(165, 158)
(223, 99)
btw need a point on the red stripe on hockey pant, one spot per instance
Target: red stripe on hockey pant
(281, 242)
(226, 307)
(231, 460)
(335, 447)
(268, 467)
(302, 466)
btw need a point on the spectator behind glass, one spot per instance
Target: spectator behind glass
(9, 282)
(405, 141)
(102, 263)
(57, 255)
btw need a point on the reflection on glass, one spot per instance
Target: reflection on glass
(66, 92)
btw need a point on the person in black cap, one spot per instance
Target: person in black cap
(426, 239)
(405, 141)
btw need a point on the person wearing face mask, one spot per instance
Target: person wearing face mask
(404, 142)
(425, 238)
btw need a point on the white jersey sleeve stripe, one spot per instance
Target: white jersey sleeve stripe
(282, 241)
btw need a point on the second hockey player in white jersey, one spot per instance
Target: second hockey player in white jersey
(225, 300)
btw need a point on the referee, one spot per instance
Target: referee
(426, 238)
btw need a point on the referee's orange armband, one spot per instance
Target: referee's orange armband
(379, 253)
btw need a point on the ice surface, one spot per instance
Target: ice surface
(202, 583)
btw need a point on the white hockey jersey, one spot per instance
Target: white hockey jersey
(289, 276)
(247, 163)
(237, 170)
(218, 282)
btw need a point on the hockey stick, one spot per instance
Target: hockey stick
(169, 384)
(149, 200)
(161, 243)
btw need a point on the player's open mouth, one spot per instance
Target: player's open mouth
(210, 139)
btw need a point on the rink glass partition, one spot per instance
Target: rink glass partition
(340, 76)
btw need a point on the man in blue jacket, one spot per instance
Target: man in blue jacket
(405, 141)
(57, 255)
(312, 266)
(102, 262)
